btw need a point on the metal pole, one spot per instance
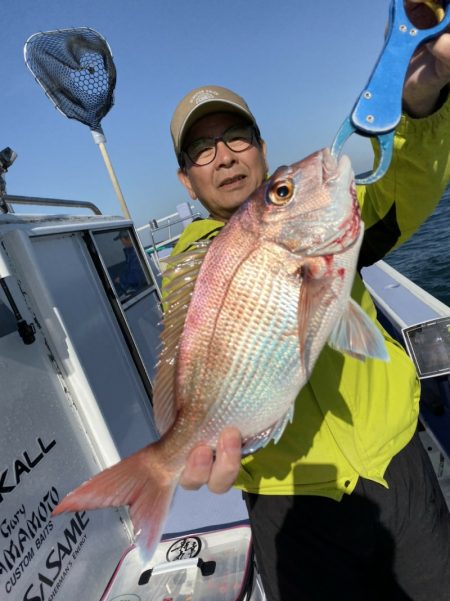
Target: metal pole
(100, 140)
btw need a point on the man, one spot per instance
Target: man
(345, 505)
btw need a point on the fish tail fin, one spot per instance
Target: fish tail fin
(357, 335)
(139, 481)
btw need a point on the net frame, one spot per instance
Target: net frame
(76, 70)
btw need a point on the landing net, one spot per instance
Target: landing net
(76, 70)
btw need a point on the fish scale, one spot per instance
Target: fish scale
(258, 345)
(243, 366)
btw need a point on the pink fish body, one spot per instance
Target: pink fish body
(248, 314)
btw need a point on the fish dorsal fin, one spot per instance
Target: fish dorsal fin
(357, 335)
(180, 276)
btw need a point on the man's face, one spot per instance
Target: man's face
(223, 185)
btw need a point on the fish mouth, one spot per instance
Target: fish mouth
(331, 165)
(338, 173)
(336, 168)
(352, 225)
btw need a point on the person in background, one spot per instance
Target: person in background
(346, 505)
(131, 277)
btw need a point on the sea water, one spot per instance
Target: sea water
(425, 257)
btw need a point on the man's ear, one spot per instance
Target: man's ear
(184, 179)
(264, 151)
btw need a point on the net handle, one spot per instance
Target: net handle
(100, 140)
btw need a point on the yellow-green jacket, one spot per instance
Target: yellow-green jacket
(352, 417)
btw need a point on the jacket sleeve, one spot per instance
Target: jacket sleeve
(394, 207)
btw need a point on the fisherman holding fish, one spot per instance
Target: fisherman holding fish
(346, 504)
(342, 498)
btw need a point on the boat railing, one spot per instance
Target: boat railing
(164, 233)
(7, 158)
(10, 199)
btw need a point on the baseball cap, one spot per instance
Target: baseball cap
(203, 101)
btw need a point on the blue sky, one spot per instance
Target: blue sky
(300, 66)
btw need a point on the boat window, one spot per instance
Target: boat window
(122, 260)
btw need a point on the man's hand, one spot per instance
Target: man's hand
(429, 70)
(219, 473)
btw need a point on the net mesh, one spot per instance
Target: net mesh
(76, 69)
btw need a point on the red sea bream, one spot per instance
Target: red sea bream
(247, 316)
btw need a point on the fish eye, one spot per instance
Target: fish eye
(281, 192)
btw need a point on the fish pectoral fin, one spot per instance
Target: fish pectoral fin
(135, 481)
(273, 433)
(357, 335)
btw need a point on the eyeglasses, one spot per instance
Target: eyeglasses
(237, 138)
